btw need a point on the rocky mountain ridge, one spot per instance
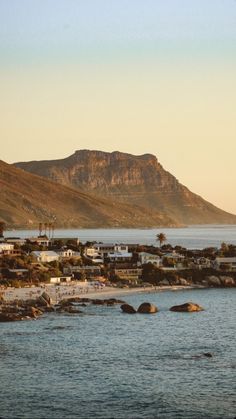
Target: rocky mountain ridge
(135, 180)
(27, 199)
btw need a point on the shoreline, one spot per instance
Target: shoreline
(77, 291)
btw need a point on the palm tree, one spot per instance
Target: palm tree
(161, 238)
(2, 228)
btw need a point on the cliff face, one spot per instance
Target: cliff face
(137, 180)
(27, 199)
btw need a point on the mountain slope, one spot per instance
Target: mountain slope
(26, 199)
(137, 180)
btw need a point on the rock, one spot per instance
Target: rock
(41, 302)
(71, 310)
(214, 281)
(182, 281)
(147, 308)
(208, 354)
(164, 282)
(227, 281)
(111, 301)
(33, 312)
(126, 308)
(187, 307)
(98, 302)
(47, 297)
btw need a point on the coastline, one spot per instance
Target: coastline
(65, 292)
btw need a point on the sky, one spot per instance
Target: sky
(138, 76)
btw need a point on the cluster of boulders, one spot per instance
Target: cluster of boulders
(148, 308)
(25, 309)
(220, 281)
(32, 309)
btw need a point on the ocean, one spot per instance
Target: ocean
(107, 364)
(192, 237)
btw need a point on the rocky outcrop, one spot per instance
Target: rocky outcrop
(39, 199)
(16, 311)
(187, 307)
(136, 180)
(147, 308)
(213, 281)
(126, 308)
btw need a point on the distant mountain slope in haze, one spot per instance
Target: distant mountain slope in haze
(27, 199)
(136, 180)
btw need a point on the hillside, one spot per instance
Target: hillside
(136, 180)
(27, 199)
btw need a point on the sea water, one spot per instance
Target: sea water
(107, 364)
(192, 237)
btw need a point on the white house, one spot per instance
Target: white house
(67, 253)
(145, 257)
(225, 263)
(6, 248)
(45, 256)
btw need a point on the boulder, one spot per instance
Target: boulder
(164, 282)
(182, 281)
(98, 302)
(147, 308)
(46, 297)
(227, 281)
(214, 281)
(41, 302)
(33, 312)
(187, 307)
(126, 308)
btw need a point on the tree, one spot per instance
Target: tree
(161, 238)
(2, 228)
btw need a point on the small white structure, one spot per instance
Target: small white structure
(145, 257)
(6, 248)
(67, 253)
(45, 256)
(60, 279)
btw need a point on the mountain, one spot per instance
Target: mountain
(136, 180)
(27, 199)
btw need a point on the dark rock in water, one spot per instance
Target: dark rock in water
(208, 354)
(114, 301)
(33, 312)
(187, 308)
(126, 308)
(147, 308)
(98, 302)
(11, 313)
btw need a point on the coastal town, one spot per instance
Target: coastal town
(44, 260)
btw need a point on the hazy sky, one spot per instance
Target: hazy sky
(139, 76)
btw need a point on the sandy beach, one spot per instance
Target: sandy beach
(58, 293)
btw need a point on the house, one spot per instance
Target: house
(130, 274)
(145, 257)
(45, 256)
(90, 272)
(15, 240)
(6, 248)
(40, 241)
(173, 259)
(67, 253)
(225, 263)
